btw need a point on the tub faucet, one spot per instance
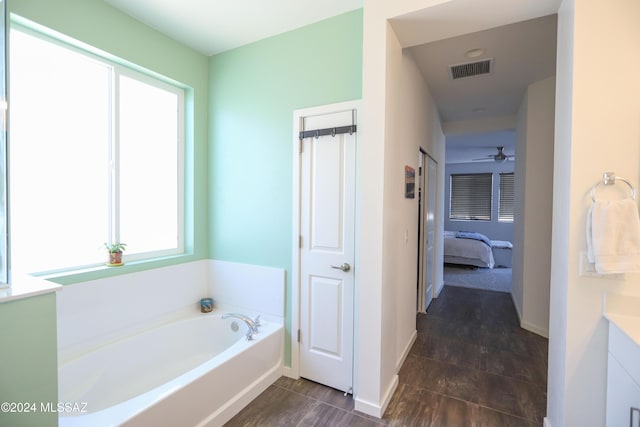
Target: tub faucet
(252, 326)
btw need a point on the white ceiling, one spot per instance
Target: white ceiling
(214, 26)
(470, 147)
(523, 52)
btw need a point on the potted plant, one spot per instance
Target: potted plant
(115, 253)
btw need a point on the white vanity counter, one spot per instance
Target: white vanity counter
(623, 360)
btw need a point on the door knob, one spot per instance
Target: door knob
(344, 267)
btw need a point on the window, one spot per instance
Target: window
(470, 197)
(4, 253)
(505, 208)
(95, 156)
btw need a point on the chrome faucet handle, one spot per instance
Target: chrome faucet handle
(251, 325)
(256, 321)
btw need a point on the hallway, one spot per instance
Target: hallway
(471, 365)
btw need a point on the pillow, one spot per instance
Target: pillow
(473, 235)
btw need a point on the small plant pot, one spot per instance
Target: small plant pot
(115, 259)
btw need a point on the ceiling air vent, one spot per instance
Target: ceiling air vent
(471, 69)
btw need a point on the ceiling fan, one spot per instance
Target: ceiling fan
(498, 157)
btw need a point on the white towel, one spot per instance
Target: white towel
(613, 236)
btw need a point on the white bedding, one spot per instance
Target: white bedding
(467, 251)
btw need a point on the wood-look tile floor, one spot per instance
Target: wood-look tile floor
(471, 365)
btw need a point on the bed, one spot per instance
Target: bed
(473, 249)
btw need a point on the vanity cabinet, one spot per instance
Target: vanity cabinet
(623, 379)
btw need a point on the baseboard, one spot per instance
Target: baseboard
(389, 394)
(529, 326)
(373, 409)
(287, 371)
(526, 325)
(406, 351)
(546, 422)
(365, 407)
(517, 307)
(439, 289)
(534, 328)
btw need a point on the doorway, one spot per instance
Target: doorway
(323, 260)
(427, 189)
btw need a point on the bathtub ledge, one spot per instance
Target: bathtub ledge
(26, 287)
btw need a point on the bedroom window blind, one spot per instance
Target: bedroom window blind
(470, 197)
(505, 209)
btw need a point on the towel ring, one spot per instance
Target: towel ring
(609, 178)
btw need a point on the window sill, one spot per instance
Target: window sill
(68, 277)
(26, 287)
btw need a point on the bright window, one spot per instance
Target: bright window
(505, 208)
(95, 156)
(470, 197)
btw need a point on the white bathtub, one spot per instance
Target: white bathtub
(192, 372)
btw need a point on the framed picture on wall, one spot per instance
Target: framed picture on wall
(409, 182)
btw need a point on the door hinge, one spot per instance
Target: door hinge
(300, 146)
(298, 335)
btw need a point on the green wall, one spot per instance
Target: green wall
(28, 350)
(239, 205)
(253, 92)
(28, 359)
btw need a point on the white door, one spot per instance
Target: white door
(430, 228)
(327, 210)
(422, 245)
(427, 230)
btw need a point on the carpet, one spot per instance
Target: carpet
(496, 279)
